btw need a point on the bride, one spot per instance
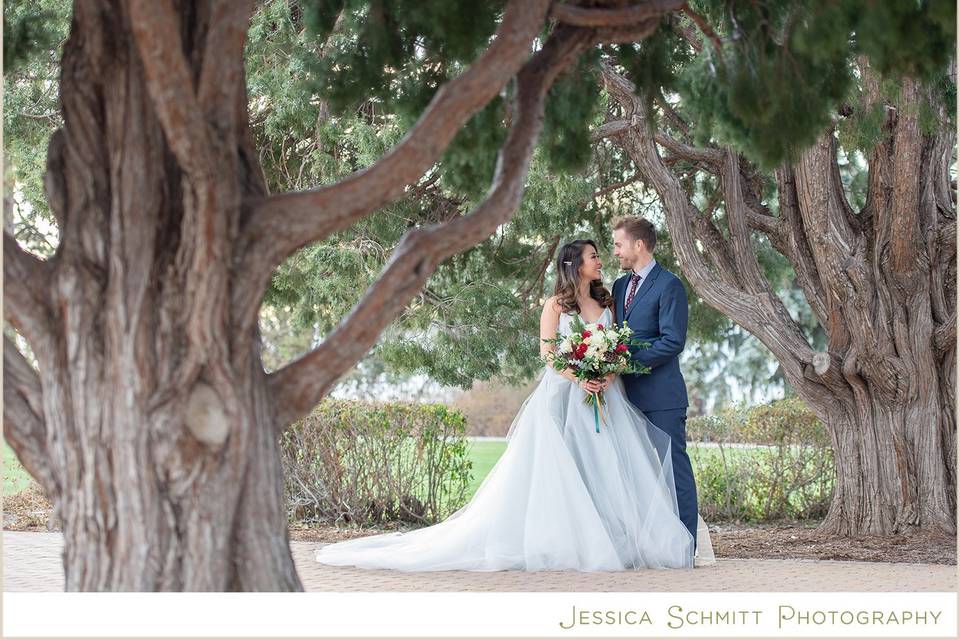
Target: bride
(561, 496)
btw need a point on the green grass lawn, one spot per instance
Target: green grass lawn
(483, 454)
(15, 479)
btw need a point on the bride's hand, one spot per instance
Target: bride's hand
(591, 386)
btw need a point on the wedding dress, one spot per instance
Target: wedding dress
(561, 497)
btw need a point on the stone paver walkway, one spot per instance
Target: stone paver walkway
(31, 562)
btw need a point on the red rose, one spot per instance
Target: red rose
(581, 350)
(586, 334)
(600, 326)
(621, 348)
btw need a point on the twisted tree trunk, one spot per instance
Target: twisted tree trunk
(149, 420)
(881, 281)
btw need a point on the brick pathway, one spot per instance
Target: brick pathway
(31, 562)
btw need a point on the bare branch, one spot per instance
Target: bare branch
(300, 385)
(610, 188)
(711, 157)
(23, 427)
(282, 224)
(611, 128)
(617, 17)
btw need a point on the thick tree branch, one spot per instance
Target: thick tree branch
(611, 128)
(743, 253)
(798, 247)
(282, 224)
(301, 384)
(23, 427)
(713, 158)
(221, 76)
(907, 243)
(26, 294)
(835, 241)
(156, 30)
(614, 17)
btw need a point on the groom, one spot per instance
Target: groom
(652, 301)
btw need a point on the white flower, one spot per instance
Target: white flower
(596, 339)
(592, 351)
(566, 345)
(612, 336)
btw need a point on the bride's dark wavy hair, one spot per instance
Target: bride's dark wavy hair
(569, 259)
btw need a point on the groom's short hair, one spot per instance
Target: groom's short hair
(639, 229)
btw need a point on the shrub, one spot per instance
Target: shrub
(371, 463)
(765, 463)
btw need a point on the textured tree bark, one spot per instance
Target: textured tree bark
(882, 282)
(157, 450)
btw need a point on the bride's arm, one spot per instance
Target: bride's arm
(549, 322)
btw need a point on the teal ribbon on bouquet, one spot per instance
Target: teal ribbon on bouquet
(596, 399)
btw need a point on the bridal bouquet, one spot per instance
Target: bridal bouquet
(592, 351)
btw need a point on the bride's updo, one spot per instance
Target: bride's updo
(569, 259)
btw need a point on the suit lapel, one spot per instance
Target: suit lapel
(645, 286)
(619, 294)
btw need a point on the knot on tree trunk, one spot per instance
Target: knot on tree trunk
(821, 362)
(206, 418)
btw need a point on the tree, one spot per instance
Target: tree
(880, 278)
(150, 421)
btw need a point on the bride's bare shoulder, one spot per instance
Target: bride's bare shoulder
(551, 307)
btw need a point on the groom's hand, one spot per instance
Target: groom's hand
(607, 380)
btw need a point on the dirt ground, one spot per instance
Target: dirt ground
(785, 540)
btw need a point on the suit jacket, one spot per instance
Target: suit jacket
(658, 315)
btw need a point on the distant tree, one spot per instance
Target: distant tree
(876, 260)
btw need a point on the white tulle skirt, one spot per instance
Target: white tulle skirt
(561, 497)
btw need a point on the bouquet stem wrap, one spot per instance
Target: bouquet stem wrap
(596, 399)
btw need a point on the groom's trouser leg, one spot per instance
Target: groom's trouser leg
(674, 423)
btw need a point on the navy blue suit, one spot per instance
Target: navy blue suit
(658, 315)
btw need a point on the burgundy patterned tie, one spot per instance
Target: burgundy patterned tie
(633, 290)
